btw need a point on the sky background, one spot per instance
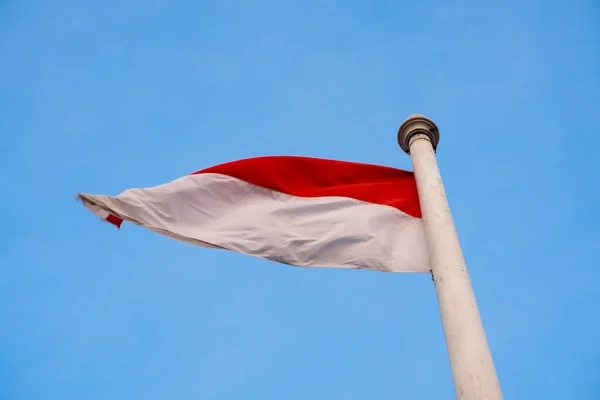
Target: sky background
(99, 97)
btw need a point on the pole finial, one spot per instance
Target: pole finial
(414, 124)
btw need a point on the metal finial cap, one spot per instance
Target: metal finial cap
(415, 124)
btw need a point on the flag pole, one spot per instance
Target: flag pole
(471, 363)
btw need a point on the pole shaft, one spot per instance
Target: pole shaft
(473, 370)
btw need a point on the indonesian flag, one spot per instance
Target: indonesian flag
(300, 211)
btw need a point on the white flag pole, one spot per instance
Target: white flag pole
(473, 370)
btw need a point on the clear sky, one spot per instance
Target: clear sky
(103, 96)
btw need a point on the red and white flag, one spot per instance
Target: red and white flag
(299, 211)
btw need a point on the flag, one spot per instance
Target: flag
(301, 211)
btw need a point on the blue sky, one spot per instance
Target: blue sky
(103, 96)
